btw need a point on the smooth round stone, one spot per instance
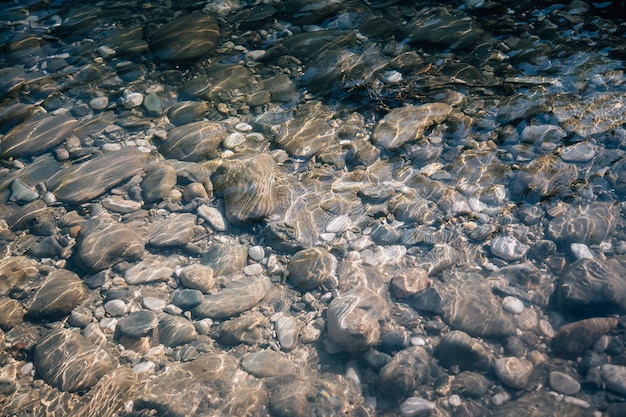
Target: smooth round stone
(225, 259)
(250, 328)
(581, 251)
(243, 127)
(11, 313)
(99, 103)
(268, 363)
(115, 308)
(108, 325)
(131, 99)
(197, 276)
(405, 372)
(20, 192)
(563, 383)
(176, 230)
(416, 407)
(137, 324)
(154, 303)
(589, 224)
(409, 282)
(545, 176)
(256, 253)
(194, 142)
(513, 372)
(61, 292)
(579, 152)
(304, 397)
(213, 216)
(153, 104)
(186, 112)
(253, 269)
(512, 305)
(287, 331)
(310, 268)
(353, 319)
(185, 38)
(70, 362)
(37, 135)
(573, 339)
(508, 248)
(470, 384)
(175, 330)
(187, 298)
(308, 132)
(234, 299)
(614, 376)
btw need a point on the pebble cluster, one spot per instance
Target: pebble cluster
(312, 208)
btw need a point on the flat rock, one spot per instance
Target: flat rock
(214, 217)
(36, 136)
(308, 132)
(251, 328)
(353, 319)
(614, 376)
(152, 268)
(405, 124)
(185, 112)
(563, 383)
(308, 398)
(90, 179)
(469, 384)
(108, 395)
(177, 230)
(185, 38)
(193, 142)
(310, 268)
(236, 298)
(249, 186)
(545, 176)
(590, 224)
(508, 248)
(60, 293)
(103, 243)
(268, 363)
(69, 362)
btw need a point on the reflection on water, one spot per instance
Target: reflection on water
(312, 208)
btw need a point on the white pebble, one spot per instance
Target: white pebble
(144, 368)
(108, 325)
(213, 216)
(253, 269)
(99, 103)
(131, 100)
(454, 400)
(256, 253)
(243, 127)
(581, 251)
(154, 304)
(418, 341)
(203, 326)
(512, 305)
(415, 406)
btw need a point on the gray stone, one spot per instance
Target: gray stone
(564, 383)
(457, 348)
(151, 269)
(138, 324)
(236, 298)
(194, 142)
(310, 268)
(160, 179)
(508, 248)
(175, 330)
(177, 230)
(60, 293)
(513, 372)
(37, 135)
(407, 370)
(614, 376)
(197, 276)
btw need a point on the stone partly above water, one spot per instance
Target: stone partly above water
(70, 362)
(185, 38)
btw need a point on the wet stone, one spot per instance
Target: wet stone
(137, 324)
(573, 339)
(512, 305)
(186, 298)
(459, 349)
(249, 185)
(251, 328)
(11, 79)
(11, 313)
(238, 297)
(416, 407)
(177, 230)
(256, 253)
(592, 286)
(69, 362)
(196, 276)
(37, 136)
(469, 384)
(175, 330)
(214, 217)
(88, 180)
(589, 225)
(544, 177)
(81, 316)
(14, 270)
(614, 376)
(115, 308)
(194, 142)
(513, 372)
(108, 395)
(563, 383)
(287, 331)
(160, 179)
(185, 38)
(186, 112)
(353, 319)
(310, 268)
(152, 268)
(308, 132)
(409, 282)
(225, 259)
(193, 191)
(508, 248)
(268, 363)
(307, 398)
(60, 293)
(405, 124)
(405, 372)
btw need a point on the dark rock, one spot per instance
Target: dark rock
(193, 142)
(185, 38)
(310, 268)
(36, 136)
(459, 349)
(407, 370)
(58, 296)
(573, 339)
(238, 297)
(137, 324)
(175, 330)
